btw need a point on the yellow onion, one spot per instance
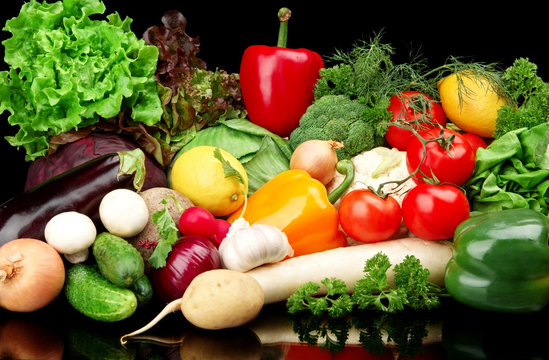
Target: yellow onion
(32, 275)
(318, 158)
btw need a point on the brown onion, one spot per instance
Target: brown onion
(318, 158)
(32, 275)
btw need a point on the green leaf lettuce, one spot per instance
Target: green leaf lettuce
(513, 172)
(67, 71)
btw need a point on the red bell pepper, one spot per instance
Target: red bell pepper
(277, 83)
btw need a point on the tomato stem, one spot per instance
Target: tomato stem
(284, 15)
(444, 142)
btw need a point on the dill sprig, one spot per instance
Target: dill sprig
(368, 73)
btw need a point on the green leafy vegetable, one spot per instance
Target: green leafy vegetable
(69, 70)
(512, 172)
(167, 229)
(336, 302)
(262, 153)
(411, 289)
(193, 97)
(529, 95)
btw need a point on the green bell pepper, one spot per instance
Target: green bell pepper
(501, 262)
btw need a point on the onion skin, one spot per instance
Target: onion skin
(318, 158)
(32, 275)
(191, 255)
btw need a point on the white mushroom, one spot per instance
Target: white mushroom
(71, 233)
(124, 213)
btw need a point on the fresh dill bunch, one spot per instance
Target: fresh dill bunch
(367, 73)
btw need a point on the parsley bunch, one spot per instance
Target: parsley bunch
(411, 289)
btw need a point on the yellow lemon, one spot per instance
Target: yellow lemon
(199, 173)
(471, 103)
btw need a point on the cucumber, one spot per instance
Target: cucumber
(117, 260)
(96, 297)
(143, 290)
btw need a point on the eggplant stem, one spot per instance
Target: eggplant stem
(169, 308)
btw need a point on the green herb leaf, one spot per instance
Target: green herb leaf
(228, 169)
(412, 278)
(411, 289)
(168, 232)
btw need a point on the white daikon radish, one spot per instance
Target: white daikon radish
(280, 280)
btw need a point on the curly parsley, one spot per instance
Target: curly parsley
(411, 289)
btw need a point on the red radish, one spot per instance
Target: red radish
(221, 229)
(197, 220)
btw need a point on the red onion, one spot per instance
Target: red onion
(191, 255)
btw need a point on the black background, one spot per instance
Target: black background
(481, 31)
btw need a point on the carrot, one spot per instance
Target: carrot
(280, 280)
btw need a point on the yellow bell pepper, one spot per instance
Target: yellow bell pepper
(299, 206)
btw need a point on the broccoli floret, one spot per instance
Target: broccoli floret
(339, 118)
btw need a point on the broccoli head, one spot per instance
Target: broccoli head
(339, 118)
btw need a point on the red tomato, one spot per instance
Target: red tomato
(475, 141)
(452, 163)
(402, 107)
(433, 212)
(366, 217)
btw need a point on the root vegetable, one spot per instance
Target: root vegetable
(32, 275)
(318, 158)
(144, 241)
(197, 220)
(216, 299)
(248, 246)
(280, 280)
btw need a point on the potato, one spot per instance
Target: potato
(221, 299)
(153, 198)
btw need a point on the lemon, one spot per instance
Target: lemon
(471, 105)
(200, 175)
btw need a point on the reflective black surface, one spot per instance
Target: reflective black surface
(451, 332)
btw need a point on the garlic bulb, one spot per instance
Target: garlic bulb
(247, 246)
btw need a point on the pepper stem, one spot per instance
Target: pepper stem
(347, 168)
(284, 15)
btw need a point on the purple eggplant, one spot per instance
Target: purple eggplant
(80, 189)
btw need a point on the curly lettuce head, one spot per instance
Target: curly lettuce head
(66, 71)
